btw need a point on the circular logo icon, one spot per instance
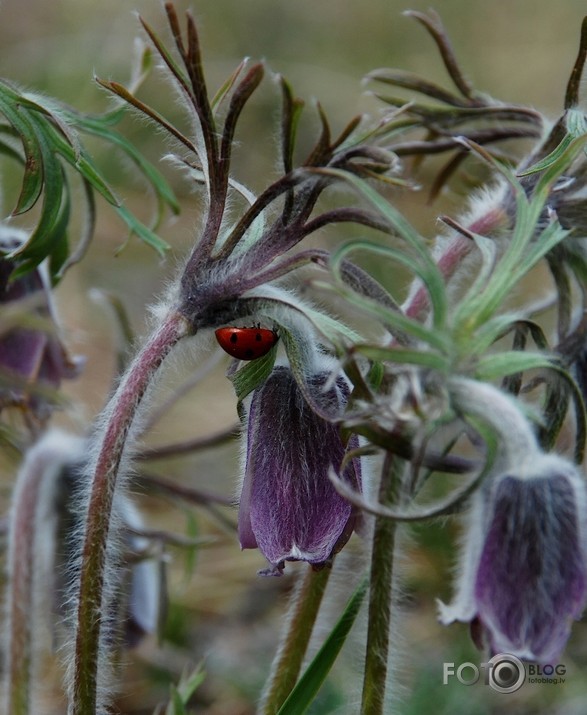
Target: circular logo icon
(506, 673)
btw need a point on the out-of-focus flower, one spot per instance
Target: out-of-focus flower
(42, 548)
(289, 508)
(143, 596)
(32, 357)
(524, 572)
(137, 579)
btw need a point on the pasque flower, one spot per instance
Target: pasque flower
(288, 507)
(30, 357)
(523, 574)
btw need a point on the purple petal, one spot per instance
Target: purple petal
(289, 507)
(531, 577)
(22, 351)
(31, 356)
(245, 530)
(58, 364)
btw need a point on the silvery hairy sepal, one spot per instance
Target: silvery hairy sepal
(33, 356)
(289, 508)
(524, 568)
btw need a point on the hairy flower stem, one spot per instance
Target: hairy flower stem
(380, 595)
(121, 412)
(485, 402)
(288, 662)
(20, 591)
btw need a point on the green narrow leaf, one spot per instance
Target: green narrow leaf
(32, 183)
(59, 240)
(429, 270)
(190, 683)
(404, 356)
(492, 367)
(160, 185)
(525, 249)
(86, 233)
(227, 85)
(414, 266)
(580, 413)
(397, 322)
(567, 148)
(142, 231)
(81, 162)
(86, 168)
(301, 697)
(555, 407)
(551, 158)
(488, 333)
(39, 245)
(375, 375)
(253, 374)
(488, 251)
(180, 695)
(292, 109)
(176, 706)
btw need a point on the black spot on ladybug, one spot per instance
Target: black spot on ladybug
(258, 337)
(250, 353)
(234, 338)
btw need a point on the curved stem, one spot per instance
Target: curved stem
(288, 661)
(448, 505)
(501, 412)
(380, 595)
(119, 418)
(20, 591)
(32, 523)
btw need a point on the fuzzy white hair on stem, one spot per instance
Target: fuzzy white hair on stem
(32, 550)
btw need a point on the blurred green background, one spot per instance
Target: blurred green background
(519, 51)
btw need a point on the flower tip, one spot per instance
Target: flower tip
(450, 612)
(274, 570)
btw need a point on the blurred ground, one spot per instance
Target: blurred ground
(520, 51)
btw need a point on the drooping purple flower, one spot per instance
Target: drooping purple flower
(524, 572)
(30, 356)
(289, 508)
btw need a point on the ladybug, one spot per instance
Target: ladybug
(246, 343)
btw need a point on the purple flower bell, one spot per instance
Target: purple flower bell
(524, 573)
(30, 356)
(289, 509)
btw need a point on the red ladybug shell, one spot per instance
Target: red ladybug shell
(246, 343)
